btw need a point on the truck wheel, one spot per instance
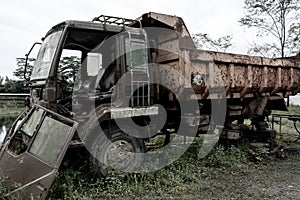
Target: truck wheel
(118, 155)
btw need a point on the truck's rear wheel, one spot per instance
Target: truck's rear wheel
(118, 155)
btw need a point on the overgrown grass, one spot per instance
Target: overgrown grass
(233, 158)
(2, 188)
(10, 111)
(288, 133)
(183, 176)
(11, 107)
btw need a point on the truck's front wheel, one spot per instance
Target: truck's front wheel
(116, 152)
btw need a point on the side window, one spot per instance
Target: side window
(69, 65)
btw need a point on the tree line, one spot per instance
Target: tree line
(68, 68)
(8, 85)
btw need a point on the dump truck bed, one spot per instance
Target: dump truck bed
(242, 76)
(246, 76)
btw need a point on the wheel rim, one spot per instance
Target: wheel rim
(119, 155)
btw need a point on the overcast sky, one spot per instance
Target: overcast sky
(23, 22)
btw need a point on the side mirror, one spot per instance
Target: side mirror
(94, 63)
(26, 60)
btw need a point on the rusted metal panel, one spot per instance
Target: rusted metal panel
(169, 79)
(196, 55)
(248, 74)
(29, 166)
(286, 77)
(153, 19)
(239, 77)
(242, 76)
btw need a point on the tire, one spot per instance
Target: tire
(115, 157)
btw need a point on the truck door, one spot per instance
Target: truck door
(30, 158)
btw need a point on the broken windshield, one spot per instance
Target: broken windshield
(45, 56)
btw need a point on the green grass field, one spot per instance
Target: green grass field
(11, 107)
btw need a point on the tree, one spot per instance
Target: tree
(2, 89)
(69, 66)
(19, 72)
(14, 86)
(278, 21)
(204, 41)
(1, 80)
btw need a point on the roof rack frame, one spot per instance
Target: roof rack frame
(119, 21)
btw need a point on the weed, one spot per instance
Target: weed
(2, 188)
(232, 158)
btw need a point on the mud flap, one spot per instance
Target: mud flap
(30, 158)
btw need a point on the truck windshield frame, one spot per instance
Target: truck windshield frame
(45, 56)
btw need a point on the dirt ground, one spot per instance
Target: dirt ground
(272, 179)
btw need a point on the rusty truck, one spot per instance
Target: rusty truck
(164, 72)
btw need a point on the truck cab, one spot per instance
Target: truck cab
(106, 49)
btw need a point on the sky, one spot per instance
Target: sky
(24, 22)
